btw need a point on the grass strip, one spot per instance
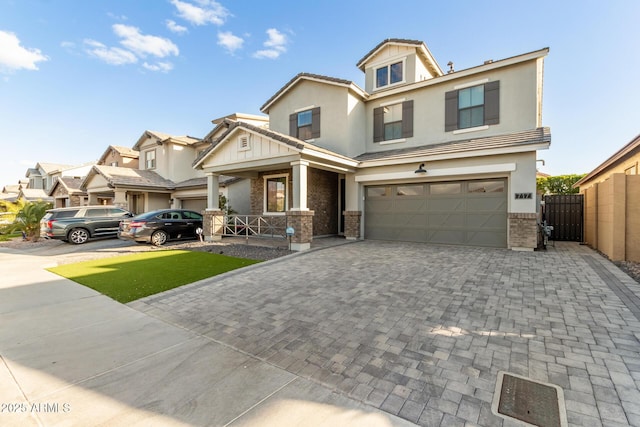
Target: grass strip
(130, 277)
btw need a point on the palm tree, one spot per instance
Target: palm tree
(28, 219)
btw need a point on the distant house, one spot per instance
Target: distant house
(419, 154)
(612, 204)
(118, 156)
(43, 175)
(66, 192)
(156, 173)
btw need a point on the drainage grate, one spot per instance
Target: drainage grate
(532, 402)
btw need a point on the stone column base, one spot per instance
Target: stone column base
(523, 231)
(302, 223)
(352, 224)
(213, 225)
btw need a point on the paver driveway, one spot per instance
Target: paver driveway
(422, 330)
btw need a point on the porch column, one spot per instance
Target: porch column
(120, 199)
(213, 189)
(352, 213)
(299, 185)
(213, 220)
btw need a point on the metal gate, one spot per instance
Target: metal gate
(565, 214)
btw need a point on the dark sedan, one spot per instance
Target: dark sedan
(160, 226)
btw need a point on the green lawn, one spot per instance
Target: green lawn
(130, 277)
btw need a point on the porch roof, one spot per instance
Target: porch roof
(127, 177)
(70, 184)
(507, 142)
(295, 143)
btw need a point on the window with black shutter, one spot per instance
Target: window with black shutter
(305, 124)
(394, 121)
(472, 107)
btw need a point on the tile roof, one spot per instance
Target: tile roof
(118, 176)
(276, 136)
(530, 137)
(632, 146)
(125, 151)
(202, 182)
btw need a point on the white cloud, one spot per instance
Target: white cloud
(163, 67)
(229, 41)
(13, 56)
(175, 28)
(110, 55)
(144, 45)
(205, 12)
(276, 45)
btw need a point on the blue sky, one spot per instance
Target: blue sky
(77, 75)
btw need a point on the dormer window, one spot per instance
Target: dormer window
(389, 74)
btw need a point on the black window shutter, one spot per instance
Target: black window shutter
(293, 125)
(492, 103)
(451, 111)
(407, 119)
(378, 124)
(315, 123)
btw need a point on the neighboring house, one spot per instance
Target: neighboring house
(66, 192)
(34, 195)
(10, 192)
(118, 156)
(43, 175)
(612, 204)
(162, 178)
(418, 155)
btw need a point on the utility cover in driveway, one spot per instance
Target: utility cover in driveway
(530, 401)
(456, 212)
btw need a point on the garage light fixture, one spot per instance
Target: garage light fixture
(421, 169)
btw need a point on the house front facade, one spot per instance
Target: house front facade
(418, 155)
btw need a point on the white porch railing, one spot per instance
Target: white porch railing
(255, 225)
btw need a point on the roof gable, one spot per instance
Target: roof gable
(418, 46)
(316, 78)
(162, 138)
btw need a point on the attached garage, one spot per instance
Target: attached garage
(197, 205)
(456, 212)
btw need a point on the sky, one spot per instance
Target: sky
(77, 76)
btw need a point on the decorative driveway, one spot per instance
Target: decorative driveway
(421, 331)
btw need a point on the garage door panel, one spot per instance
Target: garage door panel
(455, 213)
(488, 204)
(495, 221)
(447, 237)
(446, 205)
(446, 220)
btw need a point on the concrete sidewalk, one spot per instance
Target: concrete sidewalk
(71, 356)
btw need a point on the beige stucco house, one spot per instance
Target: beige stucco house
(612, 204)
(118, 156)
(417, 155)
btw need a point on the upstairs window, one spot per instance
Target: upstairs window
(472, 107)
(150, 159)
(389, 74)
(305, 124)
(393, 122)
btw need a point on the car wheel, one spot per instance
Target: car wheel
(159, 238)
(78, 236)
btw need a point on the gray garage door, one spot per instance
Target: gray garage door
(194, 204)
(458, 212)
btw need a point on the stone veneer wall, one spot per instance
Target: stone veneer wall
(523, 230)
(322, 198)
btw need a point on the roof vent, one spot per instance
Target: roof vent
(488, 61)
(451, 70)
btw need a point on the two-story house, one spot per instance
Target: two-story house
(418, 155)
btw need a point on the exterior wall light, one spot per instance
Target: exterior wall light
(421, 169)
